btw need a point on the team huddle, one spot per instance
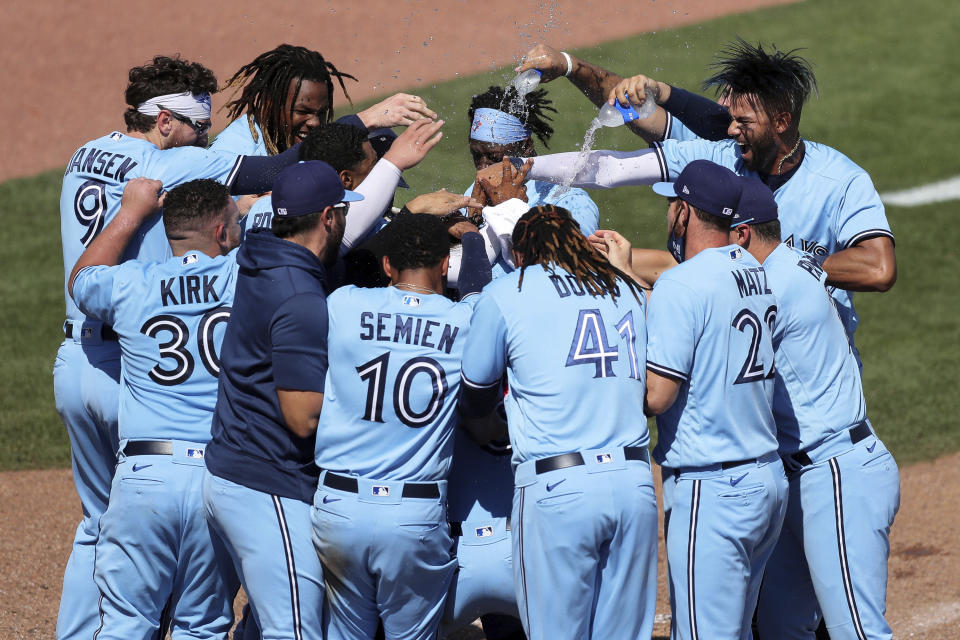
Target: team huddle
(392, 422)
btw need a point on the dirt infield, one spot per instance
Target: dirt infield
(39, 510)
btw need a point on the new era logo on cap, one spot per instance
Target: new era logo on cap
(686, 190)
(308, 187)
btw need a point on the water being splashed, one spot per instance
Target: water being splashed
(588, 139)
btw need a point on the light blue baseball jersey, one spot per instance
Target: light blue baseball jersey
(574, 362)
(577, 201)
(237, 139)
(674, 129)
(818, 390)
(170, 318)
(93, 186)
(260, 215)
(828, 205)
(389, 404)
(708, 327)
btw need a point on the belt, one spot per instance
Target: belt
(106, 331)
(456, 529)
(575, 459)
(736, 463)
(410, 489)
(148, 448)
(861, 431)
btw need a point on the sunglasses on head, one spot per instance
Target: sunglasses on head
(200, 127)
(343, 205)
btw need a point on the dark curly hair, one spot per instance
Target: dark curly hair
(266, 83)
(339, 145)
(192, 205)
(549, 236)
(531, 109)
(159, 77)
(774, 80)
(416, 240)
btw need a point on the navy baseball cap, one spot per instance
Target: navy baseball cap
(705, 185)
(756, 203)
(308, 187)
(381, 140)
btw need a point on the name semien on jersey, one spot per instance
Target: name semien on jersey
(389, 327)
(115, 166)
(751, 281)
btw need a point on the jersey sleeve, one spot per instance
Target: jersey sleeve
(180, 164)
(484, 357)
(98, 290)
(298, 335)
(674, 155)
(583, 209)
(674, 319)
(861, 216)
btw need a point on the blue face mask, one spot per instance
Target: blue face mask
(676, 245)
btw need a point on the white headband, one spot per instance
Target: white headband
(184, 104)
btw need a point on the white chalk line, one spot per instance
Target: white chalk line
(941, 191)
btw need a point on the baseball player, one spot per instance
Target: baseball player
(844, 484)
(287, 92)
(167, 120)
(385, 436)
(566, 324)
(260, 476)
(154, 545)
(828, 205)
(709, 382)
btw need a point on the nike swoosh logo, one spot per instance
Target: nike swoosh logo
(138, 467)
(328, 499)
(551, 487)
(735, 481)
(871, 447)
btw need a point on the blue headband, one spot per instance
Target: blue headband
(492, 125)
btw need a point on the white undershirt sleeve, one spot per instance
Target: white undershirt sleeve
(377, 190)
(601, 169)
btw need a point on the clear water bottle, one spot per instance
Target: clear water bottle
(615, 115)
(527, 81)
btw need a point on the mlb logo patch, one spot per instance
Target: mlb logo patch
(116, 135)
(190, 258)
(86, 332)
(604, 458)
(194, 453)
(736, 254)
(484, 532)
(411, 301)
(380, 491)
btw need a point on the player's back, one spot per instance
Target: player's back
(708, 328)
(818, 391)
(237, 138)
(93, 186)
(170, 318)
(389, 401)
(575, 364)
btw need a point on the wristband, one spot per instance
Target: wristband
(566, 56)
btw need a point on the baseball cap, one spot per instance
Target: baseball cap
(705, 185)
(756, 203)
(308, 187)
(381, 140)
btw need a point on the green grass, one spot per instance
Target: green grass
(888, 99)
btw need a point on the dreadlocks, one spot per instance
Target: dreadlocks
(549, 236)
(530, 109)
(776, 81)
(266, 83)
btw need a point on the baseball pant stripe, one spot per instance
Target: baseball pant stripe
(291, 567)
(842, 549)
(691, 554)
(523, 572)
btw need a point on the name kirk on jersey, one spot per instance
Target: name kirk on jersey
(388, 327)
(188, 290)
(751, 281)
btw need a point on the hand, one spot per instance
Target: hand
(398, 109)
(479, 196)
(412, 145)
(635, 90)
(142, 197)
(615, 248)
(545, 58)
(440, 203)
(245, 203)
(510, 185)
(458, 226)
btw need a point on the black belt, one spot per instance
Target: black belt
(148, 448)
(736, 463)
(859, 432)
(575, 459)
(106, 331)
(410, 489)
(456, 529)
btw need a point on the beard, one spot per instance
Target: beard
(761, 154)
(332, 250)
